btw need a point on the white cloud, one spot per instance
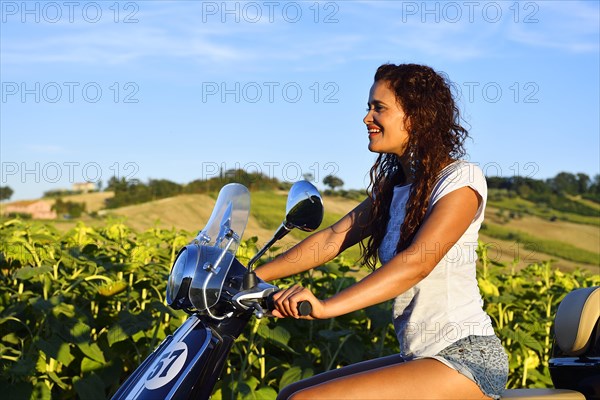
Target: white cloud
(43, 148)
(571, 26)
(180, 32)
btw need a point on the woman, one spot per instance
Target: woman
(421, 219)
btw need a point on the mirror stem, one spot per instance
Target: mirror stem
(250, 278)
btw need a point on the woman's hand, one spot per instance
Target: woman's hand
(286, 303)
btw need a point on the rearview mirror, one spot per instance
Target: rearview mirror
(304, 211)
(304, 208)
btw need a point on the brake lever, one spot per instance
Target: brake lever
(258, 310)
(246, 299)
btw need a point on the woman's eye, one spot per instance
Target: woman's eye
(375, 108)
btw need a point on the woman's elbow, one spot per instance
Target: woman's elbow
(416, 265)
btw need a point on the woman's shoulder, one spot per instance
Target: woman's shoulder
(456, 175)
(462, 171)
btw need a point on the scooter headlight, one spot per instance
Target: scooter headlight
(180, 278)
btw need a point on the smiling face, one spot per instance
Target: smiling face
(385, 121)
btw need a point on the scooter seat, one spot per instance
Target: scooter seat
(576, 317)
(542, 394)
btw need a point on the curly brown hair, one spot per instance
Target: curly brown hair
(436, 138)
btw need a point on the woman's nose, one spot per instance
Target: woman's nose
(368, 118)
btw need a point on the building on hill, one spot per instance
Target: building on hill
(38, 209)
(84, 187)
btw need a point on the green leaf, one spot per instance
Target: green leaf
(112, 289)
(264, 393)
(57, 349)
(135, 323)
(130, 326)
(93, 351)
(488, 288)
(252, 382)
(90, 388)
(251, 241)
(540, 380)
(379, 316)
(291, 375)
(307, 373)
(528, 341)
(242, 390)
(116, 334)
(217, 395)
(78, 333)
(40, 304)
(11, 338)
(278, 334)
(354, 349)
(57, 380)
(40, 364)
(26, 273)
(42, 238)
(88, 365)
(63, 308)
(41, 392)
(24, 368)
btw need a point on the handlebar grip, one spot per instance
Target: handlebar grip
(304, 307)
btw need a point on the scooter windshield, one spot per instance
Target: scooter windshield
(218, 243)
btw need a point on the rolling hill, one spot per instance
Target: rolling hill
(522, 239)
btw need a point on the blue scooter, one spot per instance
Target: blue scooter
(219, 294)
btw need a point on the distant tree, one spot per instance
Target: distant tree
(593, 192)
(583, 183)
(68, 208)
(333, 181)
(161, 188)
(497, 182)
(308, 177)
(564, 182)
(595, 186)
(197, 186)
(5, 192)
(116, 185)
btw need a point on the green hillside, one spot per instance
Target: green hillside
(529, 234)
(519, 232)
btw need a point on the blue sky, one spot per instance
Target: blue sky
(179, 89)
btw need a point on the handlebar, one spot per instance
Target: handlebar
(304, 307)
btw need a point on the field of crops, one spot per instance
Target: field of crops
(79, 310)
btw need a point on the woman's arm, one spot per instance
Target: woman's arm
(319, 247)
(448, 221)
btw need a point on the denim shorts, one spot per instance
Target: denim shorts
(481, 359)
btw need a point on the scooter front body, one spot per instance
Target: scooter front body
(186, 365)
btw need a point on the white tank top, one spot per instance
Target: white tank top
(445, 306)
